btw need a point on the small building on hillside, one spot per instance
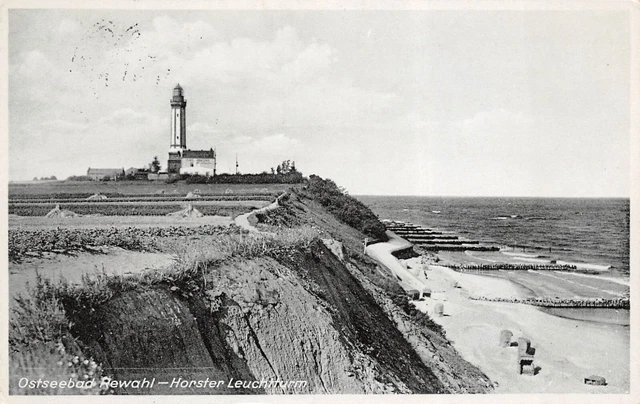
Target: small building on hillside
(137, 174)
(131, 171)
(201, 162)
(105, 174)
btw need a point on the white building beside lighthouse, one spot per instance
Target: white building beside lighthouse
(181, 159)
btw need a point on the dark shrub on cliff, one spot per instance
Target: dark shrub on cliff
(419, 317)
(346, 208)
(262, 178)
(79, 178)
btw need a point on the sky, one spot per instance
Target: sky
(432, 102)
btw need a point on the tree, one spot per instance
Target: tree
(155, 165)
(286, 166)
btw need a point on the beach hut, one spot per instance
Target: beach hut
(524, 346)
(438, 310)
(594, 380)
(413, 294)
(505, 338)
(525, 365)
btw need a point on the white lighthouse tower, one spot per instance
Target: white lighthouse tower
(178, 121)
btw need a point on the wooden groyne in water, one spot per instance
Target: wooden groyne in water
(433, 240)
(620, 303)
(479, 268)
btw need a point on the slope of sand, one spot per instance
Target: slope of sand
(71, 268)
(381, 252)
(566, 350)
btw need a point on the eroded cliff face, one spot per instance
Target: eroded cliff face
(322, 315)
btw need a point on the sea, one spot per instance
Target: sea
(589, 231)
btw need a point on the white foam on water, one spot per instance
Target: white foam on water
(536, 260)
(517, 254)
(596, 267)
(620, 281)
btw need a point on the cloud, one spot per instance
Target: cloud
(313, 59)
(67, 27)
(277, 143)
(498, 122)
(124, 117)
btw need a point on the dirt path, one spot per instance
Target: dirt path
(244, 222)
(381, 252)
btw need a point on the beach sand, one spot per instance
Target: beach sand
(567, 350)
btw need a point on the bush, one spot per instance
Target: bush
(346, 208)
(38, 338)
(263, 178)
(79, 178)
(418, 317)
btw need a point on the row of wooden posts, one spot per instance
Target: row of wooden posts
(619, 303)
(512, 267)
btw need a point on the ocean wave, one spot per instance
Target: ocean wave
(597, 267)
(536, 260)
(620, 281)
(517, 254)
(507, 217)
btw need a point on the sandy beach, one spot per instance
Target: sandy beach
(564, 354)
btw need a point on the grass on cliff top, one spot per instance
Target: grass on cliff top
(41, 346)
(346, 208)
(43, 314)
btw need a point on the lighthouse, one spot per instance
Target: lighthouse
(178, 121)
(183, 160)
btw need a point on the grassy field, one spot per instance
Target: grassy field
(138, 198)
(25, 189)
(90, 222)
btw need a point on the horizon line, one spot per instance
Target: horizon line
(492, 196)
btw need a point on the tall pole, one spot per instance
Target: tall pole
(215, 161)
(236, 163)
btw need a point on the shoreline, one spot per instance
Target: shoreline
(564, 356)
(540, 284)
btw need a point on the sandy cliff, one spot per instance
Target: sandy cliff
(323, 314)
